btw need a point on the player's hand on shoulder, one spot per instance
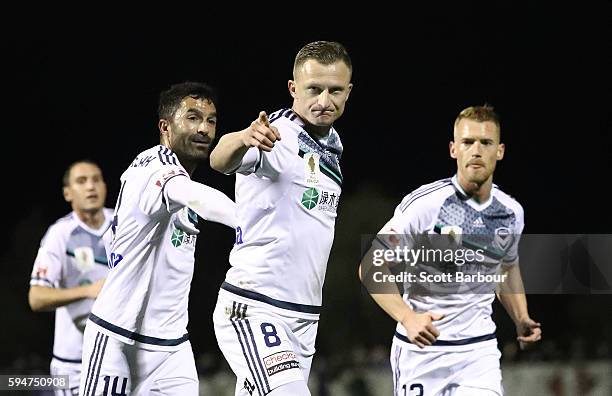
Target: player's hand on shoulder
(261, 134)
(420, 328)
(529, 332)
(94, 288)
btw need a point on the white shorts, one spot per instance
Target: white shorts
(438, 373)
(264, 349)
(72, 370)
(111, 367)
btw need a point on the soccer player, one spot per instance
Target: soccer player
(70, 267)
(445, 342)
(136, 340)
(288, 184)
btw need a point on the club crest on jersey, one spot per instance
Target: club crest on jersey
(84, 257)
(312, 172)
(180, 238)
(503, 238)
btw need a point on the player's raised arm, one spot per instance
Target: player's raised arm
(419, 325)
(207, 202)
(228, 154)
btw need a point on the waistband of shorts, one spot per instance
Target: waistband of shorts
(465, 341)
(141, 338)
(252, 295)
(64, 360)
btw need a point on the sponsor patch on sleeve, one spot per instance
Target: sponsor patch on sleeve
(169, 175)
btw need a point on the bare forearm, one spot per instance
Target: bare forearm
(512, 294)
(393, 305)
(390, 300)
(42, 298)
(228, 154)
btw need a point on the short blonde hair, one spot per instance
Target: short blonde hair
(482, 113)
(324, 52)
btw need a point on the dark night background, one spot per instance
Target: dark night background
(88, 91)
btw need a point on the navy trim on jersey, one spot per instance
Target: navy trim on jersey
(419, 193)
(276, 115)
(159, 154)
(311, 309)
(326, 171)
(465, 341)
(168, 154)
(396, 372)
(44, 280)
(170, 178)
(96, 259)
(135, 336)
(66, 360)
(258, 163)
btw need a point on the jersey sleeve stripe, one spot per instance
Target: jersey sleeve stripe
(170, 178)
(421, 193)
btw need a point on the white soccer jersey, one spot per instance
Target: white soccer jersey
(145, 298)
(441, 204)
(71, 254)
(287, 201)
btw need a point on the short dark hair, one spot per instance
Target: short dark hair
(66, 177)
(324, 52)
(170, 99)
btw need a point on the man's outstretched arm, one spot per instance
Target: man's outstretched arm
(228, 154)
(207, 202)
